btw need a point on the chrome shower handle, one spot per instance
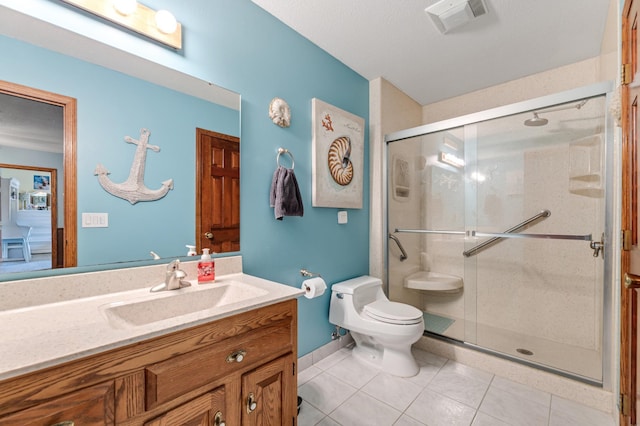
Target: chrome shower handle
(597, 247)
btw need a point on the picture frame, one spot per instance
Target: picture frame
(41, 182)
(337, 157)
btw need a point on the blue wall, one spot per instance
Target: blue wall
(237, 45)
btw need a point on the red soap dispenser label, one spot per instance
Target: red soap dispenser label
(206, 272)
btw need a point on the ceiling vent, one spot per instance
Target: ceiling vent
(450, 14)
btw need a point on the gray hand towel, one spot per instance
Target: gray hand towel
(285, 195)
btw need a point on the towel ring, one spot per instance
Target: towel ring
(285, 151)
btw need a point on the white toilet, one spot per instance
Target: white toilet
(382, 330)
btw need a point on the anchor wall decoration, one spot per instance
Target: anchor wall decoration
(133, 189)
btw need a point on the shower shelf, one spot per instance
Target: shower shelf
(434, 281)
(585, 167)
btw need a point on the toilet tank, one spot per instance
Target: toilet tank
(364, 289)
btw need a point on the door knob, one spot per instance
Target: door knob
(208, 235)
(631, 280)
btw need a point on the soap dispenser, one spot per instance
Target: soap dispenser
(206, 268)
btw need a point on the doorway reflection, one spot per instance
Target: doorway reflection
(27, 212)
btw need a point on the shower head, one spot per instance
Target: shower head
(535, 121)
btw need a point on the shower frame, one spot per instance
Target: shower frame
(611, 238)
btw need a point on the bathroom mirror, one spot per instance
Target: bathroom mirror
(122, 95)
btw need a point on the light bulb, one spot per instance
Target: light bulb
(166, 22)
(125, 7)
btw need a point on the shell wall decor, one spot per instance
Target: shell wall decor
(338, 157)
(279, 112)
(340, 165)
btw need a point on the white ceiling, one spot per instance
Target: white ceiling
(30, 124)
(396, 40)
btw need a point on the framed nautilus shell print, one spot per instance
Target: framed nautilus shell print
(338, 156)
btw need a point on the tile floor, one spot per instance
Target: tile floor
(340, 390)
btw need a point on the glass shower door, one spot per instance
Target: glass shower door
(502, 220)
(538, 290)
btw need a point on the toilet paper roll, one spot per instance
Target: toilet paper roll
(313, 287)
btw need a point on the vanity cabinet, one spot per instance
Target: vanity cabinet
(92, 406)
(238, 370)
(262, 391)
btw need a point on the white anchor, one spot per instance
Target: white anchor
(133, 189)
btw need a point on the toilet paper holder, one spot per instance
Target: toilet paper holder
(308, 274)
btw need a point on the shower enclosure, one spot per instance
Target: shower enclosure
(499, 229)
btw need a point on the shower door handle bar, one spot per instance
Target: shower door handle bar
(498, 237)
(429, 231)
(403, 255)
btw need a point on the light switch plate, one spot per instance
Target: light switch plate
(95, 220)
(343, 217)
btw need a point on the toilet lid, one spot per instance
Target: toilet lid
(393, 312)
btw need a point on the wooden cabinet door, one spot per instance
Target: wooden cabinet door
(87, 407)
(206, 410)
(269, 394)
(217, 192)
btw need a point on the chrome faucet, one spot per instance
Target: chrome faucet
(172, 278)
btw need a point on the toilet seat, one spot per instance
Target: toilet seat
(393, 312)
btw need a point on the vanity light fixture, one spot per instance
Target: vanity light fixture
(166, 22)
(125, 7)
(160, 26)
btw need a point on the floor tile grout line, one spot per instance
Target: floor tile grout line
(549, 410)
(493, 376)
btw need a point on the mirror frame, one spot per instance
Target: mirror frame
(69, 116)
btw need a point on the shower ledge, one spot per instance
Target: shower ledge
(433, 281)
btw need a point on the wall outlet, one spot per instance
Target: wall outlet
(95, 220)
(343, 217)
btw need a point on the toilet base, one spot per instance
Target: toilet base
(397, 361)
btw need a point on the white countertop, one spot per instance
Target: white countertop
(39, 336)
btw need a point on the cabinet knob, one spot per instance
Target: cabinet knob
(208, 235)
(65, 423)
(236, 356)
(217, 420)
(251, 403)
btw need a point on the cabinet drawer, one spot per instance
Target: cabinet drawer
(88, 407)
(173, 377)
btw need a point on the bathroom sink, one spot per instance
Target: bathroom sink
(176, 303)
(433, 281)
